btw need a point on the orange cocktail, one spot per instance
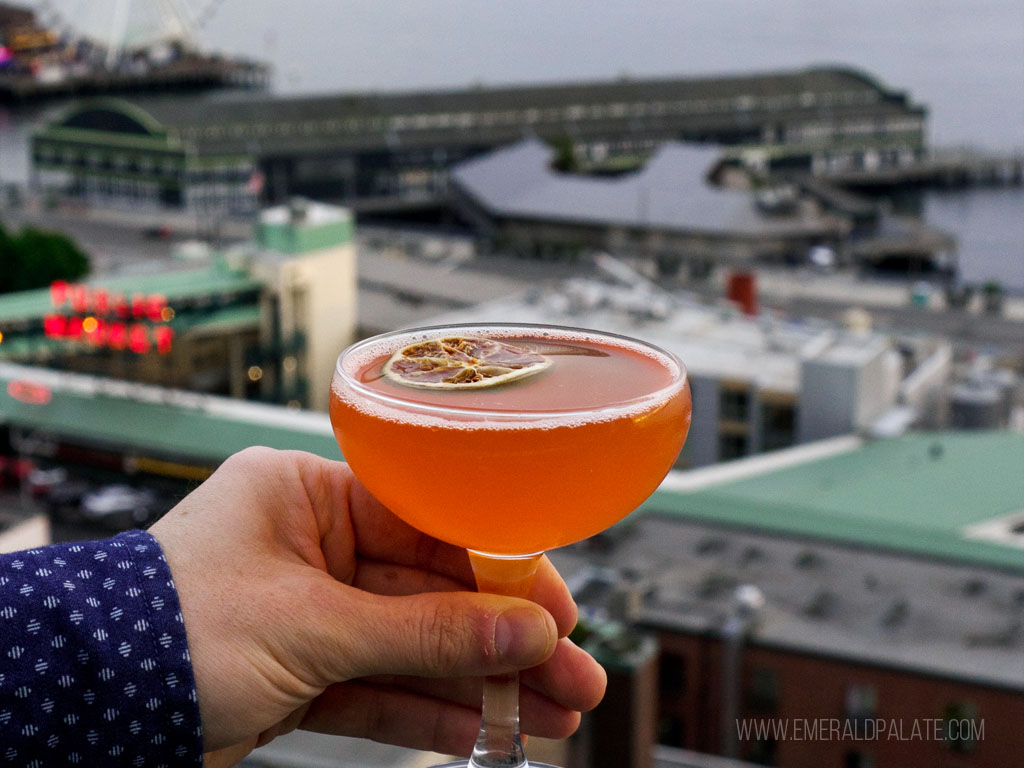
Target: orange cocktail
(519, 467)
(508, 440)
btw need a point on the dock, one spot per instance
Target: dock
(192, 73)
(949, 169)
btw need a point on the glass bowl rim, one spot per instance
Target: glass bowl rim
(677, 384)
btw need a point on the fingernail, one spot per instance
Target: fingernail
(521, 636)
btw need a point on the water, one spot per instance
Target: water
(963, 59)
(989, 227)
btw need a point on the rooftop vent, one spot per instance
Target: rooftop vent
(711, 546)
(822, 605)
(607, 541)
(896, 614)
(715, 585)
(973, 588)
(808, 560)
(751, 555)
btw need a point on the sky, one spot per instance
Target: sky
(963, 58)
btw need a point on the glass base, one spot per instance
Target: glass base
(466, 764)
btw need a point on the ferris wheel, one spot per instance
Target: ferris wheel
(117, 26)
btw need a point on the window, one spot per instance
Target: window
(733, 404)
(671, 675)
(764, 752)
(962, 726)
(778, 425)
(763, 691)
(671, 731)
(861, 702)
(856, 759)
(731, 447)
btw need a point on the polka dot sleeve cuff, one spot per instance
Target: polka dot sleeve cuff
(94, 663)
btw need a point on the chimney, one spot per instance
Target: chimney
(742, 289)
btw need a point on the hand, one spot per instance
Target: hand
(308, 605)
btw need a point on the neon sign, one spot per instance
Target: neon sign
(100, 318)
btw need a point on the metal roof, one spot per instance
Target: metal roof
(240, 107)
(176, 285)
(920, 493)
(671, 193)
(821, 598)
(154, 420)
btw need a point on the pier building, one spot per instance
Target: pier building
(213, 151)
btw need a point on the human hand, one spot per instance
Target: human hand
(308, 605)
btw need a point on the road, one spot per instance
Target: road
(890, 304)
(114, 247)
(966, 331)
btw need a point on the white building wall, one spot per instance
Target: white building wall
(842, 390)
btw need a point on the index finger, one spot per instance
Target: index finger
(381, 535)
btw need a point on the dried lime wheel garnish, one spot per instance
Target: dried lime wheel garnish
(459, 362)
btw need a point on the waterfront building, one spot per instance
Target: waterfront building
(264, 321)
(207, 151)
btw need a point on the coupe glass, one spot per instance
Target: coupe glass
(513, 470)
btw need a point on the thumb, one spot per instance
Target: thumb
(438, 634)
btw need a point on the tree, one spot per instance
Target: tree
(34, 259)
(565, 159)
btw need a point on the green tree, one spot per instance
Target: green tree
(565, 159)
(34, 259)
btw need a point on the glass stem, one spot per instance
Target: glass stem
(499, 744)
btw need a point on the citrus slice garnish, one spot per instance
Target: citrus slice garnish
(459, 362)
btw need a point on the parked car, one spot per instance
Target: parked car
(159, 232)
(41, 481)
(119, 507)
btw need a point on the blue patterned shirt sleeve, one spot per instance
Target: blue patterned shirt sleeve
(94, 663)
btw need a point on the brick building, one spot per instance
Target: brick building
(847, 604)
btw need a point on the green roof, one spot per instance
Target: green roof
(227, 319)
(914, 493)
(175, 285)
(203, 428)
